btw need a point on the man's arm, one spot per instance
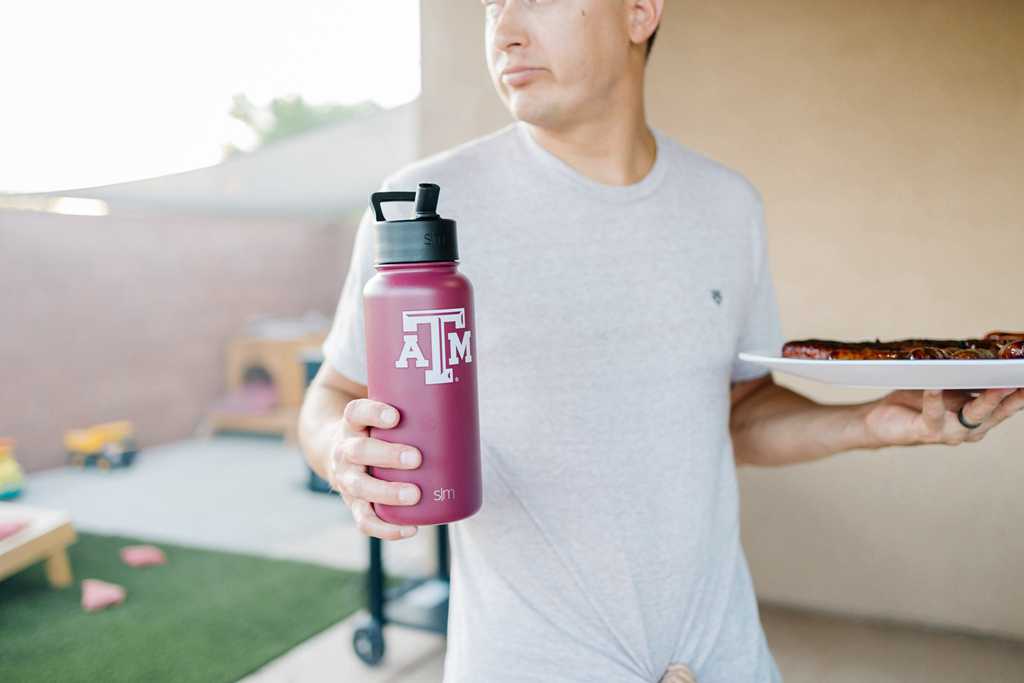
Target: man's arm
(772, 425)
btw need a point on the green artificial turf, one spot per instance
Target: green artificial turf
(204, 616)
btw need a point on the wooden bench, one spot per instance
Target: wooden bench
(44, 539)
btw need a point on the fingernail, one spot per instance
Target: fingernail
(389, 415)
(408, 531)
(407, 495)
(408, 457)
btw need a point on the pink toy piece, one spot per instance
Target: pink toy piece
(253, 398)
(97, 595)
(142, 555)
(11, 527)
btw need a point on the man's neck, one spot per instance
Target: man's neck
(617, 150)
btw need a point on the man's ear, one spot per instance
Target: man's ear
(644, 17)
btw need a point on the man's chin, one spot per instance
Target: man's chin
(533, 111)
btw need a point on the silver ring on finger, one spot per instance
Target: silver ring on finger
(963, 420)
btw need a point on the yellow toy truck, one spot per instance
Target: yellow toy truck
(107, 445)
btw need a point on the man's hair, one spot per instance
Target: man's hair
(650, 42)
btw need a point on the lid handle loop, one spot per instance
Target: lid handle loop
(378, 197)
(425, 198)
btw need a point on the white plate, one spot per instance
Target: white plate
(898, 374)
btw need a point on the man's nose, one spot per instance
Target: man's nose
(509, 28)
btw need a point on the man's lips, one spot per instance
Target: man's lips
(519, 75)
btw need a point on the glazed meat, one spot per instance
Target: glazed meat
(994, 345)
(1005, 336)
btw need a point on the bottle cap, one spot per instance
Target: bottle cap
(427, 237)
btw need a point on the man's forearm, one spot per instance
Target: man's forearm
(777, 426)
(320, 423)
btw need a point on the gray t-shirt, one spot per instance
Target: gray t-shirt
(608, 319)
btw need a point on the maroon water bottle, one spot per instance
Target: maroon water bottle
(421, 358)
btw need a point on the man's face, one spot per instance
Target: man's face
(578, 51)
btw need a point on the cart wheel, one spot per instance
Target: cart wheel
(368, 642)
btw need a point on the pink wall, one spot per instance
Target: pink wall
(126, 316)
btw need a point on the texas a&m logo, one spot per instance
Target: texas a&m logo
(446, 346)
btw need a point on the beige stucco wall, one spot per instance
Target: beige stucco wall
(887, 139)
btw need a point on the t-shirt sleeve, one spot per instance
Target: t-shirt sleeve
(345, 345)
(762, 329)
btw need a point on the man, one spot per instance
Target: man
(616, 275)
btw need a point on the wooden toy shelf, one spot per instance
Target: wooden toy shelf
(276, 359)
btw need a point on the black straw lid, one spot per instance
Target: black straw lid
(427, 237)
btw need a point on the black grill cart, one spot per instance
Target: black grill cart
(419, 602)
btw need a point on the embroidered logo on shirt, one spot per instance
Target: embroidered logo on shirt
(438, 370)
(716, 296)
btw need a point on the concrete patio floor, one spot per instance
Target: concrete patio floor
(248, 494)
(235, 493)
